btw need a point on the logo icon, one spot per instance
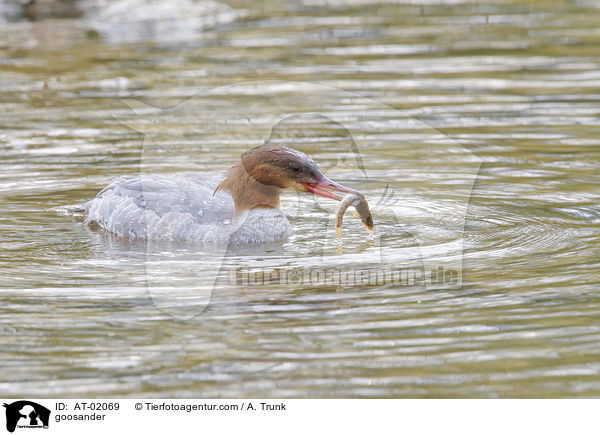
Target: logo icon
(26, 414)
(419, 239)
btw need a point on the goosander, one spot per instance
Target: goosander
(242, 208)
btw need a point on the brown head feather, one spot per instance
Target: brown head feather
(264, 172)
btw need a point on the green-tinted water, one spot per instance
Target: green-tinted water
(427, 91)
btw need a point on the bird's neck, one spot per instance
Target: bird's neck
(247, 193)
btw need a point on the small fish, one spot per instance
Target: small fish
(358, 201)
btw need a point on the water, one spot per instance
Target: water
(431, 94)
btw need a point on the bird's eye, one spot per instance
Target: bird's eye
(296, 168)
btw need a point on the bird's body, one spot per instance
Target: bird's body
(240, 208)
(174, 207)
